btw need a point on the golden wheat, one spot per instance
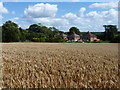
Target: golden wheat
(60, 65)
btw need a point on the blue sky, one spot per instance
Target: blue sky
(64, 7)
(87, 16)
(58, 0)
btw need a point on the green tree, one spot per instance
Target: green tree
(116, 39)
(23, 34)
(34, 27)
(10, 32)
(41, 29)
(53, 29)
(74, 29)
(110, 32)
(30, 35)
(58, 39)
(0, 33)
(46, 31)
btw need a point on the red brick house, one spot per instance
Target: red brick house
(61, 35)
(81, 38)
(74, 37)
(89, 37)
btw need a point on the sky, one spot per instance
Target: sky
(87, 16)
(59, 0)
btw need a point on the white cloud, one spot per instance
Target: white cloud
(81, 12)
(104, 5)
(93, 20)
(99, 18)
(69, 16)
(1, 17)
(93, 14)
(41, 10)
(73, 0)
(13, 12)
(60, 22)
(49, 21)
(84, 20)
(14, 19)
(59, 0)
(3, 10)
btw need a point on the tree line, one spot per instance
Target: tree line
(11, 32)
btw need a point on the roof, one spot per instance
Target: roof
(89, 34)
(64, 35)
(74, 35)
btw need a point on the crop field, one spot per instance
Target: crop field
(60, 65)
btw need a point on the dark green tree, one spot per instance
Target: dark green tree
(23, 34)
(34, 27)
(30, 35)
(58, 39)
(41, 29)
(74, 29)
(110, 32)
(0, 33)
(10, 32)
(116, 39)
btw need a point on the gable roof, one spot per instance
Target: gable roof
(89, 34)
(73, 35)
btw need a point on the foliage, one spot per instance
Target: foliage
(58, 39)
(10, 32)
(74, 30)
(0, 34)
(38, 39)
(116, 39)
(110, 32)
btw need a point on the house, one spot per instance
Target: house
(89, 37)
(61, 35)
(74, 37)
(64, 36)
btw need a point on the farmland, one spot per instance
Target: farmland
(60, 65)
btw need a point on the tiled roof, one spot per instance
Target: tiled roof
(74, 35)
(64, 35)
(89, 34)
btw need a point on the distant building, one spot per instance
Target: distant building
(61, 35)
(74, 37)
(81, 38)
(89, 37)
(64, 36)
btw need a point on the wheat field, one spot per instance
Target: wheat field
(60, 65)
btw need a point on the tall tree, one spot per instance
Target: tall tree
(110, 31)
(34, 27)
(74, 29)
(10, 32)
(23, 34)
(0, 33)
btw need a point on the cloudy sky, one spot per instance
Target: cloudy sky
(87, 16)
(59, 0)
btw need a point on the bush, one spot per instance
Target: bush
(116, 39)
(59, 39)
(38, 40)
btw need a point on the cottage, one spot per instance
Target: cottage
(89, 37)
(74, 37)
(64, 36)
(61, 35)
